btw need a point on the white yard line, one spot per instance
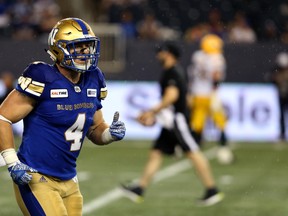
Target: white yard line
(163, 174)
(103, 200)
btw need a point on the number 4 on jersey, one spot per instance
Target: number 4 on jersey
(75, 132)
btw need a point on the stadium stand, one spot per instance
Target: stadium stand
(27, 19)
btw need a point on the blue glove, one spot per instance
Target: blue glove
(19, 174)
(117, 128)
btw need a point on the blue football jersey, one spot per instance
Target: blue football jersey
(55, 130)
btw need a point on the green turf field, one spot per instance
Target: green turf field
(255, 185)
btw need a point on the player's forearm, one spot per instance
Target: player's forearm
(170, 95)
(6, 136)
(217, 79)
(7, 146)
(95, 134)
(167, 100)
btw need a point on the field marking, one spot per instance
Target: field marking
(161, 175)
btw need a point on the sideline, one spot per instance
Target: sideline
(163, 174)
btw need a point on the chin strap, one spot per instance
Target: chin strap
(52, 56)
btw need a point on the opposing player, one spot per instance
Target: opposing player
(205, 73)
(171, 113)
(60, 105)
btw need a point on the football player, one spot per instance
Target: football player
(205, 73)
(60, 105)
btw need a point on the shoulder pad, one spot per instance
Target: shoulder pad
(198, 56)
(38, 71)
(33, 79)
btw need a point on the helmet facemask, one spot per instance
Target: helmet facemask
(80, 55)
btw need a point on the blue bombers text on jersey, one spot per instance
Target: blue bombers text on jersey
(54, 131)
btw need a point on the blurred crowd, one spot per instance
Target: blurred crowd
(27, 19)
(234, 21)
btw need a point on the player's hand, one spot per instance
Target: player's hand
(117, 129)
(146, 118)
(19, 173)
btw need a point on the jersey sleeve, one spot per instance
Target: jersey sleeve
(32, 81)
(102, 84)
(173, 79)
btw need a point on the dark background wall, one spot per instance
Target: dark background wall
(245, 62)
